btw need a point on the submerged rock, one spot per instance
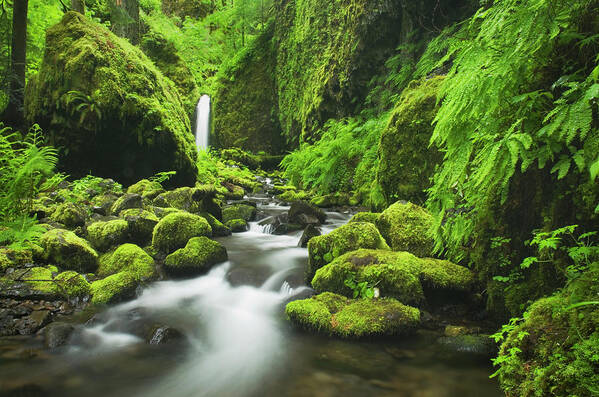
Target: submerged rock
(350, 237)
(130, 122)
(337, 315)
(478, 345)
(405, 227)
(57, 334)
(198, 256)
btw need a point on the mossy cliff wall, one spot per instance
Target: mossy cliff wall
(107, 108)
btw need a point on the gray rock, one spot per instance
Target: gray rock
(57, 334)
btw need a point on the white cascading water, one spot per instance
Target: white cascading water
(202, 122)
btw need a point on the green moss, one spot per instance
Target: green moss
(40, 279)
(132, 123)
(186, 198)
(406, 228)
(68, 251)
(72, 284)
(336, 315)
(69, 214)
(104, 202)
(161, 212)
(239, 211)
(128, 258)
(198, 256)
(245, 100)
(114, 288)
(218, 228)
(103, 235)
(407, 161)
(554, 351)
(350, 237)
(337, 199)
(146, 189)
(400, 275)
(237, 225)
(141, 224)
(371, 217)
(14, 258)
(125, 202)
(174, 230)
(291, 196)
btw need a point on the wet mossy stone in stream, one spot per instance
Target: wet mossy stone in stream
(349, 237)
(304, 213)
(128, 258)
(218, 228)
(103, 235)
(237, 225)
(174, 230)
(141, 224)
(125, 202)
(371, 217)
(132, 123)
(198, 256)
(114, 288)
(400, 275)
(65, 249)
(336, 315)
(239, 211)
(69, 214)
(405, 227)
(309, 232)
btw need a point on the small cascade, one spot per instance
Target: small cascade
(256, 227)
(202, 122)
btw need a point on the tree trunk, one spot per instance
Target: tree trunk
(125, 19)
(78, 5)
(13, 114)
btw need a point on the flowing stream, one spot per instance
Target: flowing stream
(202, 122)
(233, 340)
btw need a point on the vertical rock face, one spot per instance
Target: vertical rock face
(109, 110)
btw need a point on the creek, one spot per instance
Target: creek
(226, 335)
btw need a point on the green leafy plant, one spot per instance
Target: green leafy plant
(361, 289)
(162, 177)
(500, 336)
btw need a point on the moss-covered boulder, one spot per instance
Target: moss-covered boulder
(237, 225)
(102, 203)
(400, 275)
(239, 211)
(337, 315)
(69, 214)
(406, 160)
(371, 217)
(14, 258)
(174, 231)
(245, 100)
(406, 228)
(350, 237)
(128, 258)
(141, 224)
(72, 285)
(105, 101)
(218, 228)
(125, 202)
(167, 59)
(196, 199)
(68, 251)
(146, 189)
(103, 235)
(114, 288)
(198, 256)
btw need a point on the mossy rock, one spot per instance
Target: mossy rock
(291, 196)
(407, 160)
(234, 192)
(102, 204)
(338, 199)
(146, 189)
(198, 256)
(141, 224)
(371, 217)
(161, 212)
(128, 258)
(349, 237)
(304, 213)
(38, 278)
(218, 228)
(174, 230)
(406, 227)
(239, 211)
(125, 202)
(237, 225)
(138, 127)
(114, 288)
(69, 214)
(337, 315)
(103, 235)
(400, 275)
(70, 252)
(72, 285)
(11, 258)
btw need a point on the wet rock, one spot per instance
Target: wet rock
(102, 204)
(477, 345)
(164, 334)
(127, 201)
(198, 256)
(141, 224)
(237, 225)
(29, 325)
(57, 334)
(304, 213)
(456, 330)
(239, 211)
(309, 232)
(174, 230)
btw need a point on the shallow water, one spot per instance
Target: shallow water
(236, 342)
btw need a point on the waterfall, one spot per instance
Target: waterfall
(202, 122)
